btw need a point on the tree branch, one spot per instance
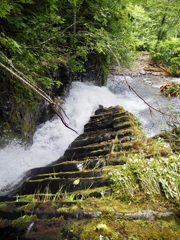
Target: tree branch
(132, 89)
(36, 89)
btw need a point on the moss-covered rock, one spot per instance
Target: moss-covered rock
(75, 196)
(20, 110)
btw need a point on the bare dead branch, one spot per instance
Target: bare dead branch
(132, 89)
(17, 74)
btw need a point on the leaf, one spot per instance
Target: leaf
(76, 182)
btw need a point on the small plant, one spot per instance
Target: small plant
(154, 176)
(45, 196)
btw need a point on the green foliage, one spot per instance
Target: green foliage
(39, 36)
(25, 35)
(23, 222)
(165, 18)
(158, 176)
(156, 29)
(154, 22)
(168, 52)
(143, 26)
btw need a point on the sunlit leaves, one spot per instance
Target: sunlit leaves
(168, 53)
(5, 8)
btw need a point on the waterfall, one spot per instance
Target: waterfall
(52, 138)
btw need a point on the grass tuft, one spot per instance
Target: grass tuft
(157, 176)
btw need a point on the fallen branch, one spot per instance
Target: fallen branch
(36, 89)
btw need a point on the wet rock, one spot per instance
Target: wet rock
(148, 214)
(108, 131)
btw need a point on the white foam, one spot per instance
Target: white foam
(52, 138)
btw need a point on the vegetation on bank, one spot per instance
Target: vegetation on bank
(40, 36)
(156, 176)
(156, 30)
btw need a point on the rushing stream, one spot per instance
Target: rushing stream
(52, 138)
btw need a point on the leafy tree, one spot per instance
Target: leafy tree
(166, 15)
(143, 26)
(38, 36)
(25, 35)
(156, 29)
(168, 52)
(155, 21)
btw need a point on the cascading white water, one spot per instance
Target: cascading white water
(52, 138)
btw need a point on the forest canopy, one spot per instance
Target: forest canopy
(156, 29)
(39, 36)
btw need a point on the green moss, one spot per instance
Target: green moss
(24, 198)
(126, 229)
(110, 223)
(7, 206)
(3, 206)
(150, 147)
(73, 209)
(23, 222)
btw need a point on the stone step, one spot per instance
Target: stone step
(90, 138)
(91, 153)
(107, 121)
(112, 111)
(120, 126)
(80, 174)
(62, 199)
(11, 215)
(102, 148)
(86, 164)
(79, 215)
(53, 186)
(98, 170)
(75, 166)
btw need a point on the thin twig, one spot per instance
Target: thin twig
(132, 89)
(16, 73)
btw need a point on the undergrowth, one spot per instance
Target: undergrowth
(156, 176)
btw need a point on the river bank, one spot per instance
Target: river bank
(142, 66)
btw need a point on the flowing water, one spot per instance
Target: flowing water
(52, 138)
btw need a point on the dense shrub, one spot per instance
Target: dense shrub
(168, 53)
